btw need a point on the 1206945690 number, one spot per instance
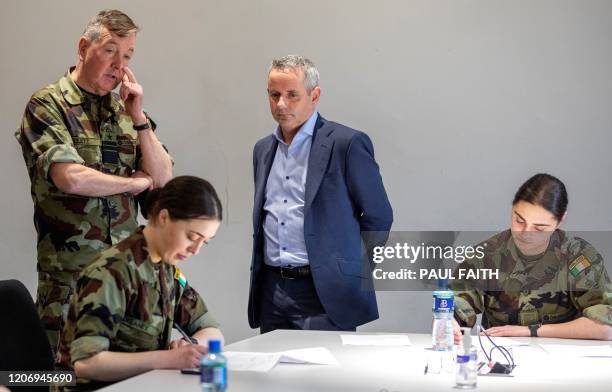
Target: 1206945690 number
(33, 378)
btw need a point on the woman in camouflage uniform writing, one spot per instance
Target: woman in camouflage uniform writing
(550, 283)
(131, 295)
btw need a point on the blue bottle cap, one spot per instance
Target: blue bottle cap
(214, 346)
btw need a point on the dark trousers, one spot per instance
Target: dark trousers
(292, 304)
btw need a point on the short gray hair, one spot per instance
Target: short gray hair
(294, 61)
(115, 21)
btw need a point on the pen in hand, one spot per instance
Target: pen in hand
(185, 336)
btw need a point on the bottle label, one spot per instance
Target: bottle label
(444, 304)
(214, 375)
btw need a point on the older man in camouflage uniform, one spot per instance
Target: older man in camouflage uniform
(88, 152)
(561, 293)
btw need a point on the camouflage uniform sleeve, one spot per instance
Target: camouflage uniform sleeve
(468, 304)
(592, 291)
(44, 134)
(99, 308)
(191, 312)
(468, 296)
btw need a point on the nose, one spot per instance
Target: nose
(195, 248)
(281, 103)
(118, 61)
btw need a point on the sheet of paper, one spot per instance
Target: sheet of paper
(315, 355)
(264, 362)
(572, 350)
(248, 361)
(376, 340)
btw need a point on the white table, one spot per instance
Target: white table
(386, 369)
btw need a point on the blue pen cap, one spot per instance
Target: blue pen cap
(214, 346)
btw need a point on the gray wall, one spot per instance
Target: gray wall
(464, 100)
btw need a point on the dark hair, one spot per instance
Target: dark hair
(545, 191)
(185, 197)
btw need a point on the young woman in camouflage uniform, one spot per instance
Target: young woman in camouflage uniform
(131, 295)
(551, 284)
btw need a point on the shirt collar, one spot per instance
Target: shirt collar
(305, 131)
(72, 93)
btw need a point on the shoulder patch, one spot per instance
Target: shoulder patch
(178, 275)
(579, 264)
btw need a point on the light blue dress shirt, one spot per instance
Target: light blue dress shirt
(285, 195)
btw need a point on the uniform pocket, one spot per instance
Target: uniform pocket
(89, 149)
(52, 304)
(136, 335)
(127, 152)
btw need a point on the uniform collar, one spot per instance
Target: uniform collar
(147, 269)
(73, 95)
(553, 242)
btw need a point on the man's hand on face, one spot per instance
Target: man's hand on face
(132, 94)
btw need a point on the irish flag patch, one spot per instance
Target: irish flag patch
(178, 275)
(580, 264)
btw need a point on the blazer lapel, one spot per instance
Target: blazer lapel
(263, 171)
(320, 152)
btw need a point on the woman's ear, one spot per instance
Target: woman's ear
(163, 216)
(562, 219)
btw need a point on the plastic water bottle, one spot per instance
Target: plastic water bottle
(466, 373)
(442, 338)
(213, 369)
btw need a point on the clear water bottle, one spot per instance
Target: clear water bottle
(466, 373)
(442, 338)
(213, 369)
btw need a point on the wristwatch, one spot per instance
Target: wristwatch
(533, 328)
(142, 127)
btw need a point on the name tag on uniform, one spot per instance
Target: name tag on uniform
(110, 152)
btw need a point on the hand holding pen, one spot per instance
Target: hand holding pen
(186, 340)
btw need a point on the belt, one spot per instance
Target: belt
(291, 272)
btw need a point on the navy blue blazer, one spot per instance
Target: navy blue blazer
(344, 196)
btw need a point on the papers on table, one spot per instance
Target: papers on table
(256, 362)
(567, 350)
(315, 356)
(375, 340)
(264, 362)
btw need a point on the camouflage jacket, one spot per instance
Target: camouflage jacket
(567, 281)
(124, 302)
(62, 123)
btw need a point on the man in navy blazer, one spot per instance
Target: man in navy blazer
(320, 206)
